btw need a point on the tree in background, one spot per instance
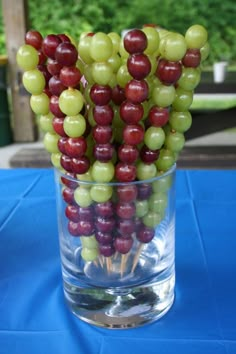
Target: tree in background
(77, 16)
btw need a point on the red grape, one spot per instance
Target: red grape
(85, 228)
(73, 228)
(55, 85)
(34, 38)
(131, 113)
(118, 95)
(139, 66)
(76, 147)
(61, 145)
(102, 134)
(104, 209)
(54, 107)
(105, 224)
(103, 152)
(68, 195)
(127, 193)
(149, 156)
(125, 210)
(49, 45)
(133, 134)
(70, 76)
(145, 234)
(136, 91)
(123, 244)
(100, 94)
(103, 238)
(125, 172)
(58, 126)
(103, 115)
(192, 58)
(106, 250)
(80, 165)
(53, 67)
(125, 226)
(158, 116)
(66, 162)
(72, 213)
(168, 72)
(135, 41)
(128, 153)
(66, 54)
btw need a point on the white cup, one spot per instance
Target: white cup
(219, 71)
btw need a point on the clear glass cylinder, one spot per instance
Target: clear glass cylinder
(117, 248)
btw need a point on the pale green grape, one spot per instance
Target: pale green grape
(158, 202)
(40, 103)
(152, 219)
(103, 171)
(196, 36)
(175, 141)
(205, 50)
(154, 63)
(102, 73)
(123, 76)
(115, 38)
(115, 62)
(89, 254)
(123, 52)
(141, 208)
(163, 95)
(34, 81)
(112, 83)
(154, 138)
(91, 119)
(71, 102)
(180, 121)
(45, 123)
(88, 74)
(85, 177)
(56, 159)
(146, 171)
(183, 100)
(153, 40)
(27, 57)
(74, 126)
(165, 160)
(101, 47)
(101, 193)
(173, 46)
(84, 49)
(189, 79)
(50, 142)
(163, 184)
(82, 197)
(80, 65)
(89, 242)
(87, 95)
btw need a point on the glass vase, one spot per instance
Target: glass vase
(117, 248)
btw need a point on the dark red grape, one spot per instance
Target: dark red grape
(103, 152)
(73, 228)
(147, 155)
(131, 113)
(136, 91)
(192, 58)
(58, 126)
(70, 76)
(103, 238)
(103, 115)
(50, 44)
(118, 95)
(168, 72)
(53, 67)
(105, 224)
(125, 210)
(68, 195)
(127, 193)
(158, 116)
(80, 165)
(135, 41)
(104, 209)
(66, 163)
(72, 213)
(125, 226)
(133, 134)
(125, 172)
(139, 66)
(106, 250)
(86, 213)
(144, 191)
(123, 244)
(54, 107)
(128, 153)
(100, 95)
(85, 228)
(34, 38)
(76, 147)
(66, 54)
(61, 145)
(102, 134)
(145, 234)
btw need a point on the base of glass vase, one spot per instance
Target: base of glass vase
(120, 308)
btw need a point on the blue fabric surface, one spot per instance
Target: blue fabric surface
(33, 316)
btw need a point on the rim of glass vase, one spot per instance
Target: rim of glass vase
(136, 182)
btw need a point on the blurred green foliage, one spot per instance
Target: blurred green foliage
(77, 16)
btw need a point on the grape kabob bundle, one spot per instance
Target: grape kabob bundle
(114, 110)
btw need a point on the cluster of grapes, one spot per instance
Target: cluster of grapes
(113, 110)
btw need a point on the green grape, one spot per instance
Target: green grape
(27, 57)
(101, 193)
(165, 160)
(173, 46)
(34, 81)
(89, 254)
(141, 207)
(180, 121)
(162, 32)
(189, 79)
(80, 65)
(112, 83)
(153, 40)
(123, 76)
(154, 64)
(85, 177)
(154, 138)
(71, 102)
(82, 197)
(89, 242)
(146, 171)
(84, 49)
(74, 126)
(196, 36)
(91, 119)
(162, 185)
(103, 171)
(183, 100)
(101, 47)
(158, 203)
(205, 50)
(50, 142)
(102, 73)
(88, 74)
(56, 159)
(115, 38)
(167, 128)
(175, 141)
(87, 95)
(40, 103)
(163, 95)
(45, 123)
(90, 146)
(115, 62)
(152, 219)
(122, 51)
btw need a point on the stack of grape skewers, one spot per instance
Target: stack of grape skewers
(114, 110)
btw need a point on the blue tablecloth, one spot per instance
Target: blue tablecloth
(33, 316)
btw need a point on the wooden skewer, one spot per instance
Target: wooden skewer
(124, 258)
(136, 258)
(116, 256)
(108, 264)
(100, 259)
(96, 263)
